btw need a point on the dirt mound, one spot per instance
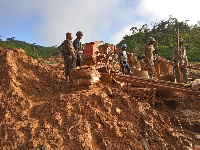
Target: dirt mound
(38, 109)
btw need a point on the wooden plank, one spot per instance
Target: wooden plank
(151, 83)
(182, 66)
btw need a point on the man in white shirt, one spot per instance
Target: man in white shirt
(123, 60)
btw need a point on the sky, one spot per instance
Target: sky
(45, 22)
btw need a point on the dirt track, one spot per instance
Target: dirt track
(39, 110)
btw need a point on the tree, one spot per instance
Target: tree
(165, 34)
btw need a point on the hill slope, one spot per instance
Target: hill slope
(38, 109)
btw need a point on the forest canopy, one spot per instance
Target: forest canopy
(165, 34)
(35, 51)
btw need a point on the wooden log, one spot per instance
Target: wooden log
(157, 84)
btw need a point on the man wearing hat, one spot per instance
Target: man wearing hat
(69, 54)
(148, 52)
(123, 60)
(78, 47)
(182, 61)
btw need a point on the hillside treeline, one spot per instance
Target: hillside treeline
(165, 34)
(36, 51)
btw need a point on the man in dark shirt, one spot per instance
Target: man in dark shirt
(78, 47)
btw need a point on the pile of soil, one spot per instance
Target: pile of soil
(38, 109)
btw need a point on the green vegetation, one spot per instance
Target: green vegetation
(165, 34)
(35, 51)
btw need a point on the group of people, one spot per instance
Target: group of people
(148, 52)
(72, 57)
(148, 55)
(70, 52)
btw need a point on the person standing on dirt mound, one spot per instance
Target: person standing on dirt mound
(78, 47)
(148, 52)
(69, 54)
(123, 60)
(182, 60)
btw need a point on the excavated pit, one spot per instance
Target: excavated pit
(39, 110)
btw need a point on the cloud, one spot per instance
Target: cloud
(97, 19)
(118, 36)
(155, 10)
(106, 20)
(93, 18)
(160, 10)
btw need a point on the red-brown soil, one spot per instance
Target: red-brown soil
(39, 110)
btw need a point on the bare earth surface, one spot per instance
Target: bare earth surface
(39, 110)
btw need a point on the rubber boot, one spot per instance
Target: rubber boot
(67, 78)
(123, 72)
(185, 78)
(130, 73)
(151, 75)
(177, 79)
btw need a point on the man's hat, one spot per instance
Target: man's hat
(181, 39)
(151, 39)
(79, 33)
(68, 33)
(107, 44)
(123, 45)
